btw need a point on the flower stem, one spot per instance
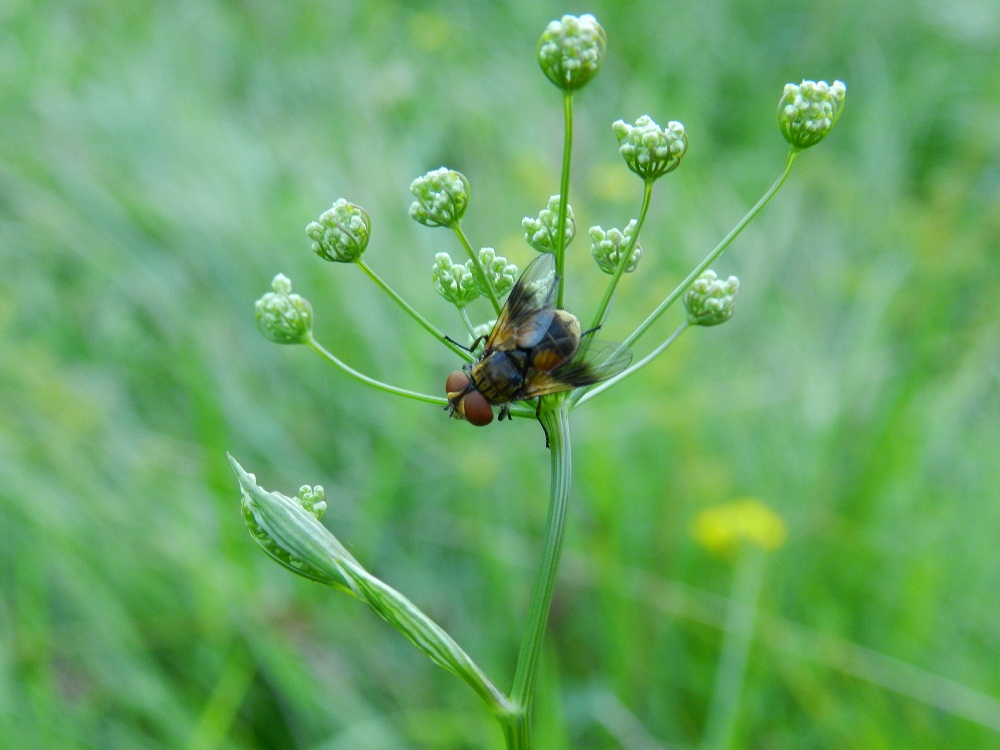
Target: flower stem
(735, 648)
(480, 271)
(626, 257)
(713, 256)
(416, 396)
(581, 396)
(408, 308)
(564, 193)
(555, 419)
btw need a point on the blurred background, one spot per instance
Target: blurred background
(158, 163)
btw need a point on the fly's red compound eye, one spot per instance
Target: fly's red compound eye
(457, 382)
(477, 409)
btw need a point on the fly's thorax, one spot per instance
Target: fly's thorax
(500, 376)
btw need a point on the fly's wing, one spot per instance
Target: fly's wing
(596, 363)
(531, 295)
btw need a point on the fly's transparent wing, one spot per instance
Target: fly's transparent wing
(595, 363)
(531, 295)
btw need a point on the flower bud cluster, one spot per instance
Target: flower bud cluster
(571, 49)
(341, 233)
(442, 195)
(459, 283)
(648, 150)
(541, 232)
(312, 500)
(709, 301)
(283, 317)
(607, 248)
(500, 274)
(456, 282)
(262, 533)
(808, 111)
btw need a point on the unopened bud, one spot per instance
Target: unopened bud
(442, 196)
(455, 282)
(808, 111)
(500, 274)
(341, 233)
(709, 301)
(648, 150)
(571, 49)
(541, 232)
(283, 317)
(607, 248)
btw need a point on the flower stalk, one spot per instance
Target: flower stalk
(554, 417)
(543, 352)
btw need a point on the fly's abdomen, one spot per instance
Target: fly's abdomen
(557, 343)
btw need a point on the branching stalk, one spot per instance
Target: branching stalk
(385, 387)
(626, 257)
(712, 256)
(411, 311)
(555, 420)
(480, 271)
(564, 194)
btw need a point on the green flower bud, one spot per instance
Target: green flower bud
(607, 248)
(312, 500)
(807, 112)
(341, 233)
(649, 151)
(283, 317)
(455, 282)
(541, 233)
(709, 301)
(500, 273)
(442, 196)
(571, 49)
(289, 531)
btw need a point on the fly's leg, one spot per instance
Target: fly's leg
(469, 349)
(538, 416)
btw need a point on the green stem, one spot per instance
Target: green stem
(468, 323)
(516, 726)
(408, 308)
(318, 348)
(735, 649)
(712, 256)
(609, 294)
(582, 396)
(474, 257)
(564, 193)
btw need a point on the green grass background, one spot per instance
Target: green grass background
(158, 162)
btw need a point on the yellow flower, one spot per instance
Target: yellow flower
(721, 529)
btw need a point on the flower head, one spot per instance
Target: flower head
(723, 528)
(455, 282)
(571, 49)
(442, 195)
(341, 233)
(500, 274)
(808, 111)
(541, 233)
(607, 248)
(283, 317)
(709, 300)
(648, 150)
